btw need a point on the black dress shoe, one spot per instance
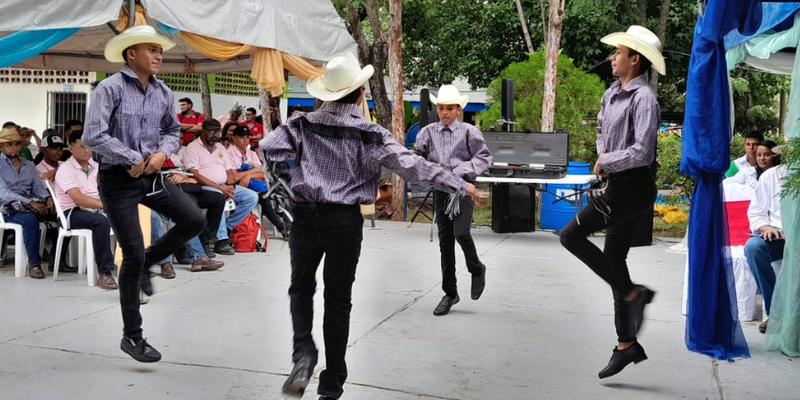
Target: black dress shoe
(478, 284)
(145, 284)
(140, 350)
(636, 307)
(326, 398)
(621, 358)
(300, 376)
(444, 305)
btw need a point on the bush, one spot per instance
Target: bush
(669, 159)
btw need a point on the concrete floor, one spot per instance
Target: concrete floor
(542, 330)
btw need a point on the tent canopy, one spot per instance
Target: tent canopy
(311, 29)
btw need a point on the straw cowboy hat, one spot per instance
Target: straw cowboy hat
(10, 135)
(449, 94)
(342, 75)
(131, 37)
(643, 41)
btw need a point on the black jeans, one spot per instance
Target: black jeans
(334, 231)
(101, 235)
(450, 232)
(630, 197)
(121, 195)
(212, 202)
(268, 211)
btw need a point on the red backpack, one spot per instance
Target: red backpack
(245, 235)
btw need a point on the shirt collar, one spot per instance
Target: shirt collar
(341, 108)
(453, 126)
(634, 84)
(75, 164)
(128, 72)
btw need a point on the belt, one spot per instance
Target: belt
(634, 173)
(326, 207)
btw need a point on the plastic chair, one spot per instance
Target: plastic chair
(20, 255)
(86, 262)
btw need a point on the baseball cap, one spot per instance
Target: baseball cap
(53, 141)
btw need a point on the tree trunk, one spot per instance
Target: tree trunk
(782, 113)
(551, 69)
(642, 11)
(263, 103)
(524, 27)
(275, 102)
(205, 95)
(661, 32)
(398, 111)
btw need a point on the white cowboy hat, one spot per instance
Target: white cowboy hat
(449, 94)
(643, 41)
(131, 37)
(342, 75)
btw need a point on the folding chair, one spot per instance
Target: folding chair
(86, 257)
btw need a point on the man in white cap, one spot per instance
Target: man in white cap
(338, 165)
(460, 148)
(627, 132)
(131, 127)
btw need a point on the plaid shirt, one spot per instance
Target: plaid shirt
(125, 124)
(627, 126)
(459, 147)
(340, 155)
(20, 186)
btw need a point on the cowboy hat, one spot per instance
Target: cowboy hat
(449, 94)
(641, 40)
(131, 37)
(10, 135)
(342, 75)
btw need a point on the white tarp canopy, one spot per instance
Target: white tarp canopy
(311, 29)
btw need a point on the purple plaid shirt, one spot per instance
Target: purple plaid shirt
(627, 126)
(459, 147)
(340, 155)
(125, 124)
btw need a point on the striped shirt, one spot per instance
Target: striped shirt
(125, 124)
(627, 126)
(340, 155)
(22, 185)
(458, 147)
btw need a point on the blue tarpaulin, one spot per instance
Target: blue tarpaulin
(21, 46)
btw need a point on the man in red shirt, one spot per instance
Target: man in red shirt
(256, 129)
(191, 121)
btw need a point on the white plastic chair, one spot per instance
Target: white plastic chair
(20, 255)
(86, 262)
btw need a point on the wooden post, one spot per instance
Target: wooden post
(398, 109)
(205, 95)
(553, 45)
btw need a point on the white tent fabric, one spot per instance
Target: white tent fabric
(311, 29)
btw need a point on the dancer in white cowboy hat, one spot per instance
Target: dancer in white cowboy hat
(626, 144)
(460, 148)
(131, 126)
(339, 159)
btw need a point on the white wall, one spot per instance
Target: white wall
(221, 104)
(26, 104)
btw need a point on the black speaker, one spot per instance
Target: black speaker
(507, 103)
(513, 207)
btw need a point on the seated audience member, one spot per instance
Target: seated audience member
(195, 251)
(227, 134)
(249, 175)
(232, 116)
(256, 129)
(191, 121)
(27, 134)
(76, 190)
(23, 198)
(52, 150)
(208, 161)
(765, 159)
(765, 220)
(748, 160)
(70, 127)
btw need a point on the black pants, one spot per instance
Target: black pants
(212, 202)
(450, 232)
(268, 211)
(630, 197)
(334, 231)
(121, 195)
(101, 235)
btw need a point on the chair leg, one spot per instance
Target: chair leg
(20, 255)
(57, 258)
(433, 224)
(91, 267)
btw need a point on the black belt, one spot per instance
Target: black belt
(633, 173)
(326, 207)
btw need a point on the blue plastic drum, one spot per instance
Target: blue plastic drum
(555, 216)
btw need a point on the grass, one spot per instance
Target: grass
(663, 229)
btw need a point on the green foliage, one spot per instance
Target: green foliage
(577, 96)
(669, 171)
(791, 186)
(756, 100)
(762, 117)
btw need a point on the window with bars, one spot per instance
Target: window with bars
(65, 106)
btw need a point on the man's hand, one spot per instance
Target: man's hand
(228, 191)
(51, 207)
(49, 175)
(39, 208)
(154, 163)
(472, 192)
(136, 170)
(597, 169)
(770, 233)
(245, 182)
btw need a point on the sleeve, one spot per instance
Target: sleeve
(7, 196)
(422, 146)
(190, 159)
(170, 129)
(200, 118)
(481, 159)
(646, 114)
(38, 187)
(65, 179)
(758, 212)
(280, 143)
(228, 161)
(96, 135)
(255, 157)
(601, 147)
(412, 167)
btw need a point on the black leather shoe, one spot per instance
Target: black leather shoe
(444, 305)
(300, 377)
(326, 398)
(636, 307)
(224, 247)
(139, 349)
(145, 284)
(621, 358)
(478, 284)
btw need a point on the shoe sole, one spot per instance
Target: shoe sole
(146, 360)
(636, 361)
(297, 388)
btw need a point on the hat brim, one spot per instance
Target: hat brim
(461, 101)
(780, 149)
(648, 51)
(119, 43)
(317, 89)
(61, 145)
